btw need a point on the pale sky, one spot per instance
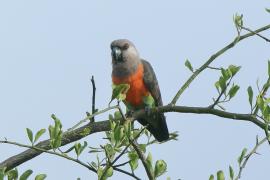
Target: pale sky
(50, 49)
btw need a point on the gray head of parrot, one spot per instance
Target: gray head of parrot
(125, 57)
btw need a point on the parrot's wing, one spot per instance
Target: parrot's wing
(157, 123)
(151, 82)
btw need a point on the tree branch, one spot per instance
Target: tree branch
(49, 152)
(67, 138)
(212, 58)
(91, 128)
(264, 38)
(143, 159)
(253, 151)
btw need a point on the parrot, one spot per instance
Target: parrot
(143, 93)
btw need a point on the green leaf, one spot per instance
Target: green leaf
(111, 117)
(2, 173)
(149, 161)
(39, 134)
(58, 140)
(231, 172)
(26, 174)
(119, 135)
(79, 148)
(222, 83)
(238, 21)
(133, 164)
(260, 103)
(127, 128)
(188, 65)
(160, 168)
(117, 115)
(212, 177)
(233, 91)
(250, 95)
(133, 157)
(142, 147)
(40, 177)
(149, 101)
(241, 157)
(99, 172)
(217, 85)
(51, 132)
(55, 132)
(109, 172)
(233, 69)
(119, 92)
(110, 151)
(266, 113)
(12, 174)
(29, 134)
(220, 175)
(267, 10)
(225, 74)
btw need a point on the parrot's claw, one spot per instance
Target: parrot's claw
(147, 111)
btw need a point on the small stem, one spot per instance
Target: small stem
(127, 173)
(93, 99)
(253, 151)
(214, 68)
(122, 164)
(93, 115)
(249, 30)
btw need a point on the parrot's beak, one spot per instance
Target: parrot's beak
(117, 54)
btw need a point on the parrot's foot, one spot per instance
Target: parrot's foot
(147, 111)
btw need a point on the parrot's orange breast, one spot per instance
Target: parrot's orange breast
(137, 88)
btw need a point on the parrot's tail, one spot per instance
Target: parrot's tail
(157, 126)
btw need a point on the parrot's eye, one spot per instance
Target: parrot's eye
(126, 46)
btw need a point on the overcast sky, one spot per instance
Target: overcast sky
(50, 49)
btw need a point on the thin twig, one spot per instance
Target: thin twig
(127, 173)
(93, 99)
(214, 68)
(253, 151)
(91, 116)
(249, 30)
(121, 164)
